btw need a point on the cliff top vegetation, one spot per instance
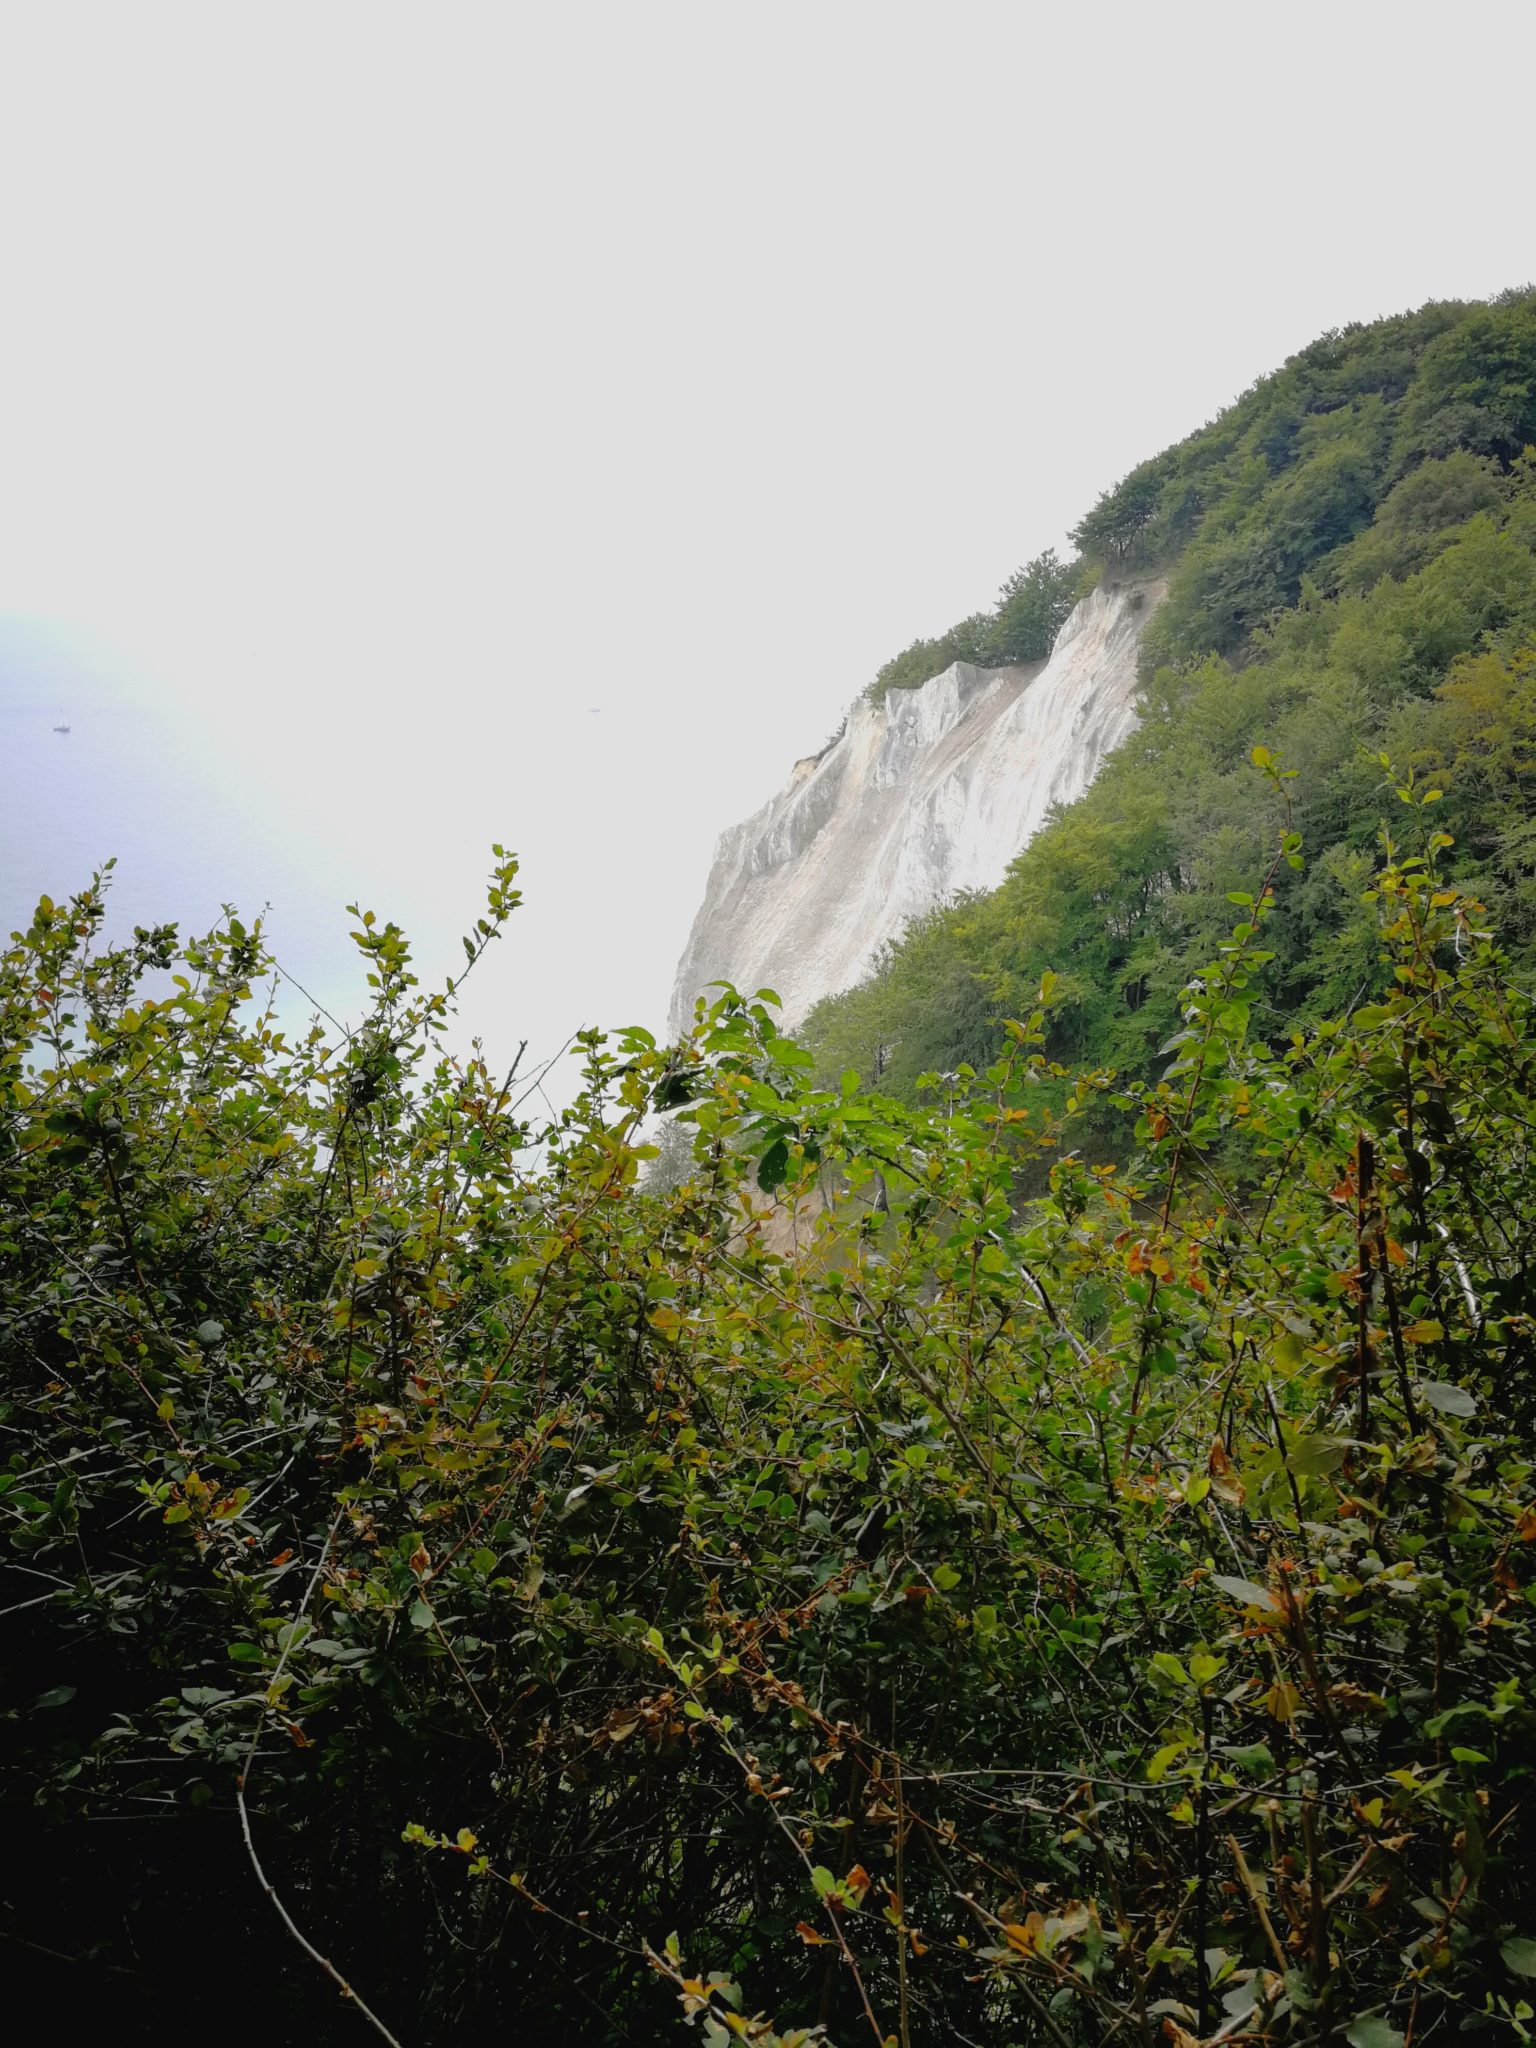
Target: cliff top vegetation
(1349, 551)
(1031, 609)
(1340, 422)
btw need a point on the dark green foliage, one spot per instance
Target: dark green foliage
(1475, 387)
(1297, 467)
(913, 667)
(1032, 607)
(1413, 518)
(1105, 1614)
(1328, 590)
(1117, 527)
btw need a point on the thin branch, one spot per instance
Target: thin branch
(262, 1879)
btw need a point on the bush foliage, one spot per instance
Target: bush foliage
(441, 1572)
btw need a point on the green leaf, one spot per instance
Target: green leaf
(1437, 1725)
(1256, 1758)
(1314, 1455)
(421, 1614)
(59, 1696)
(1249, 1594)
(773, 1167)
(1519, 1954)
(1372, 2032)
(1446, 1398)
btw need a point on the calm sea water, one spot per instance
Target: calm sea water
(159, 790)
(300, 813)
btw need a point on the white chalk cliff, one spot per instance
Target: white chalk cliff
(930, 792)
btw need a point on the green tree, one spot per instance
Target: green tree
(1032, 608)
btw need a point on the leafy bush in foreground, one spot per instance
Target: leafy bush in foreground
(1101, 1616)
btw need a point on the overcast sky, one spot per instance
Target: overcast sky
(552, 414)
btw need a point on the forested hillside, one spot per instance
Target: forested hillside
(1037, 1560)
(1351, 548)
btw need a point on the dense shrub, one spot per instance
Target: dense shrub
(1100, 1613)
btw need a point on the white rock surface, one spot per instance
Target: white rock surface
(928, 793)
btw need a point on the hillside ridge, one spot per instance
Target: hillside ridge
(926, 793)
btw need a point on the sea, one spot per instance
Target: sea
(294, 811)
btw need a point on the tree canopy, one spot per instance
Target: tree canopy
(1031, 609)
(1336, 572)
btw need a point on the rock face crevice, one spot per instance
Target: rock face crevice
(928, 793)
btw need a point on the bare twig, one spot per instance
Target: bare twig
(262, 1879)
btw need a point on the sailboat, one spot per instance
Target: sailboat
(62, 726)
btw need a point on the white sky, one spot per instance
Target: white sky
(418, 378)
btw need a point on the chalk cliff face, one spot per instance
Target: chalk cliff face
(932, 791)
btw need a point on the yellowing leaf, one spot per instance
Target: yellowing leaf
(1282, 1700)
(1158, 1766)
(1024, 1939)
